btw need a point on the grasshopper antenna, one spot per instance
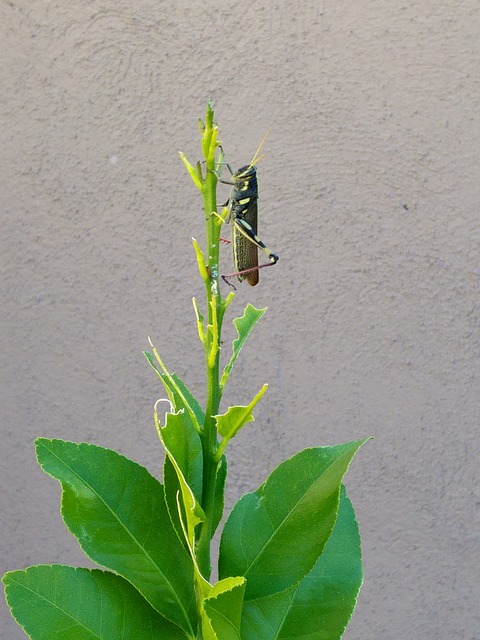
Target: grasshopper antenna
(256, 158)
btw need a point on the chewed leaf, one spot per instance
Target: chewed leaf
(178, 393)
(243, 325)
(185, 455)
(222, 610)
(183, 444)
(230, 423)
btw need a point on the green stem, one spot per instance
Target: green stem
(216, 310)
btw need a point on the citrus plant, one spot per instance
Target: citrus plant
(289, 562)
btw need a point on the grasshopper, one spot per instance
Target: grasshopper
(242, 212)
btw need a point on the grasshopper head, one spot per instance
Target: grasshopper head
(245, 173)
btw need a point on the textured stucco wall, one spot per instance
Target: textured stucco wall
(370, 194)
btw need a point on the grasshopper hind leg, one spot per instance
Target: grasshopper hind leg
(246, 245)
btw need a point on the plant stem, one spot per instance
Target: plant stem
(216, 309)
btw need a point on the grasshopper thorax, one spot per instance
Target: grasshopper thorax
(245, 183)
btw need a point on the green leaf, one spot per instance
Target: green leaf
(320, 606)
(178, 392)
(191, 171)
(117, 512)
(191, 400)
(222, 610)
(199, 317)
(55, 601)
(230, 423)
(171, 487)
(182, 441)
(184, 450)
(219, 494)
(275, 535)
(243, 325)
(203, 272)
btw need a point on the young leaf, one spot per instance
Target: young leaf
(117, 511)
(183, 443)
(243, 325)
(320, 606)
(275, 535)
(171, 488)
(191, 170)
(219, 494)
(222, 610)
(230, 423)
(187, 462)
(179, 394)
(55, 601)
(200, 327)
(190, 399)
(201, 267)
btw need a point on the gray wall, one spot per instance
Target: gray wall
(369, 193)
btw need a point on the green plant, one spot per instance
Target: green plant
(289, 560)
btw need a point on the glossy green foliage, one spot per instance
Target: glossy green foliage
(222, 610)
(300, 579)
(320, 605)
(55, 601)
(183, 473)
(243, 325)
(275, 535)
(178, 393)
(117, 512)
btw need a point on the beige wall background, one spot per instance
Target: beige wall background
(369, 193)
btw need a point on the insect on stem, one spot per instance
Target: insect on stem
(242, 212)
